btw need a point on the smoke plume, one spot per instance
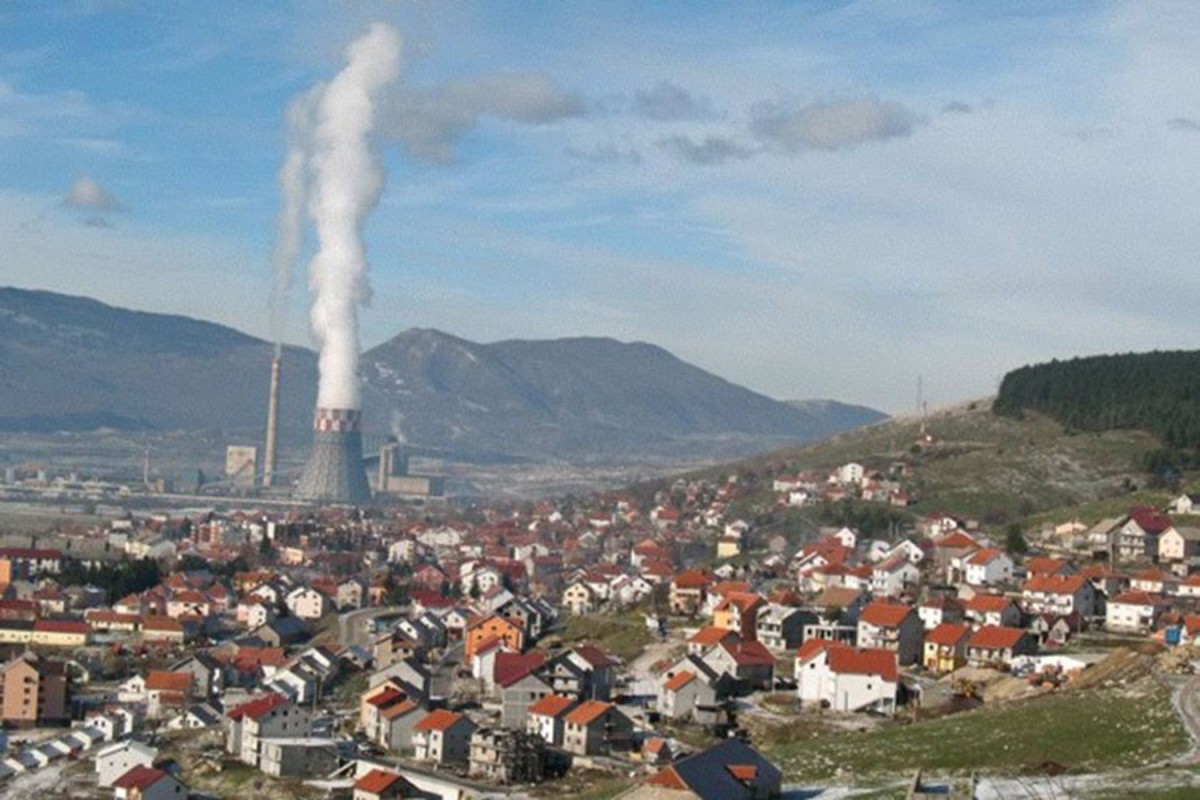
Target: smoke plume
(346, 179)
(289, 226)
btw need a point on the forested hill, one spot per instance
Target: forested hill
(1157, 392)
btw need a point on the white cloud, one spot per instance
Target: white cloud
(87, 194)
(832, 125)
(666, 101)
(710, 151)
(431, 122)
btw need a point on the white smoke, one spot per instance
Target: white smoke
(346, 181)
(289, 226)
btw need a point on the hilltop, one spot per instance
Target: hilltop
(976, 462)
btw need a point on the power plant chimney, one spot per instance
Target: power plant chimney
(334, 472)
(272, 425)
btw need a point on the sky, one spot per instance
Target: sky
(810, 199)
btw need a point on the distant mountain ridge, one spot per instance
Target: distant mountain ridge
(75, 363)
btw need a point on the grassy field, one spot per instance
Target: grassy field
(1094, 730)
(624, 635)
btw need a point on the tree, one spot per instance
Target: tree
(1014, 540)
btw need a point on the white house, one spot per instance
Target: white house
(1134, 612)
(307, 603)
(891, 577)
(1059, 594)
(847, 678)
(115, 760)
(987, 567)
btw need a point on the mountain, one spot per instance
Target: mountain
(74, 363)
(829, 417)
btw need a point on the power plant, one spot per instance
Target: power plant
(334, 472)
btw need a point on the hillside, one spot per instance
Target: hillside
(72, 363)
(1158, 392)
(980, 463)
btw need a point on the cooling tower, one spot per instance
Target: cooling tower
(334, 472)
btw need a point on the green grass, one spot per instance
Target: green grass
(982, 464)
(624, 635)
(1092, 511)
(1093, 730)
(585, 785)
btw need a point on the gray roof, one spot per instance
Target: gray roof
(707, 773)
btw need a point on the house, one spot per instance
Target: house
(988, 567)
(892, 576)
(945, 648)
(709, 637)
(1054, 629)
(1154, 581)
(518, 691)
(61, 633)
(738, 611)
(207, 674)
(118, 758)
(148, 783)
(595, 727)
(443, 737)
(1186, 504)
(501, 755)
(585, 671)
(397, 724)
(298, 757)
(271, 716)
(682, 692)
(891, 626)
(781, 628)
(847, 678)
(1059, 594)
(1134, 612)
(750, 664)
(996, 646)
(728, 770)
(34, 691)
(382, 784)
(494, 626)
(688, 591)
(167, 693)
(1179, 544)
(307, 603)
(1138, 536)
(547, 717)
(939, 610)
(991, 609)
(163, 629)
(579, 599)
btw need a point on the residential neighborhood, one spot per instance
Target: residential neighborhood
(439, 651)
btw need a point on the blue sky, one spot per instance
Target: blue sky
(809, 199)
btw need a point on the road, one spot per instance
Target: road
(1184, 699)
(352, 629)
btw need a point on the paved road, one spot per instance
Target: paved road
(352, 628)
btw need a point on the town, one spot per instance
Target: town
(629, 643)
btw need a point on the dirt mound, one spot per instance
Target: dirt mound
(992, 686)
(1123, 666)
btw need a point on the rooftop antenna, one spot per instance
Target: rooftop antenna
(146, 468)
